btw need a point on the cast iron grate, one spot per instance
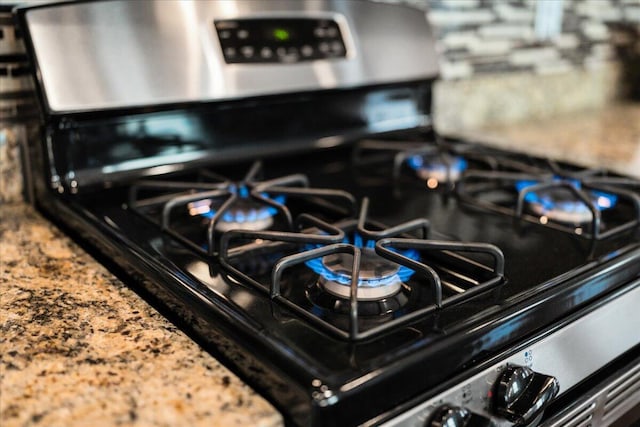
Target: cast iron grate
(198, 211)
(598, 206)
(390, 244)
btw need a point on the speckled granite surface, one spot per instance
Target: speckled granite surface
(608, 138)
(78, 348)
(516, 97)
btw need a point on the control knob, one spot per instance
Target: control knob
(521, 395)
(454, 416)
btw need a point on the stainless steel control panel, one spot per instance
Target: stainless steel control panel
(120, 53)
(567, 355)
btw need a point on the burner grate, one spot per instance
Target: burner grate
(583, 202)
(391, 244)
(197, 213)
(437, 163)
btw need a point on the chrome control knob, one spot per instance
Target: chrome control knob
(521, 395)
(454, 416)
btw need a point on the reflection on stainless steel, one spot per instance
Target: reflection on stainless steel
(570, 354)
(151, 52)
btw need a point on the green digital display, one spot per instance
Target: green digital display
(281, 34)
(275, 40)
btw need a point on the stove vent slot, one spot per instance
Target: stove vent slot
(605, 404)
(623, 391)
(584, 421)
(579, 417)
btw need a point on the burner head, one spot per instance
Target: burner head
(437, 168)
(559, 205)
(378, 278)
(246, 213)
(335, 307)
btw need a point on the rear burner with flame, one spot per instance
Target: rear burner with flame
(246, 213)
(436, 163)
(197, 212)
(436, 169)
(588, 203)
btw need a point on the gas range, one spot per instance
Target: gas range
(316, 233)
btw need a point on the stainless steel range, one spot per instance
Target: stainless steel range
(266, 174)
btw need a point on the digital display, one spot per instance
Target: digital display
(281, 34)
(261, 40)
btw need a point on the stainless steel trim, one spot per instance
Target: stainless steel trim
(120, 53)
(133, 169)
(576, 417)
(569, 354)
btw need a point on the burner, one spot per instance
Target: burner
(379, 278)
(339, 306)
(246, 213)
(556, 195)
(439, 163)
(437, 169)
(399, 272)
(202, 208)
(557, 204)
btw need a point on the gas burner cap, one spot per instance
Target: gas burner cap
(252, 222)
(558, 204)
(567, 212)
(336, 307)
(378, 277)
(435, 169)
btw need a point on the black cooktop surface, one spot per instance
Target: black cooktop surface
(462, 251)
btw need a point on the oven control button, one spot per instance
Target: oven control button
(521, 395)
(247, 51)
(266, 53)
(454, 416)
(306, 50)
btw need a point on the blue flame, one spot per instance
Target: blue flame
(419, 162)
(239, 216)
(600, 199)
(402, 274)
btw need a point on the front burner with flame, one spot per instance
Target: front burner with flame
(379, 278)
(558, 204)
(335, 307)
(358, 278)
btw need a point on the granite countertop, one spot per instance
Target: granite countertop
(80, 348)
(608, 138)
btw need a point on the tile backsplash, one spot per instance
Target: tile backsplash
(536, 36)
(508, 61)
